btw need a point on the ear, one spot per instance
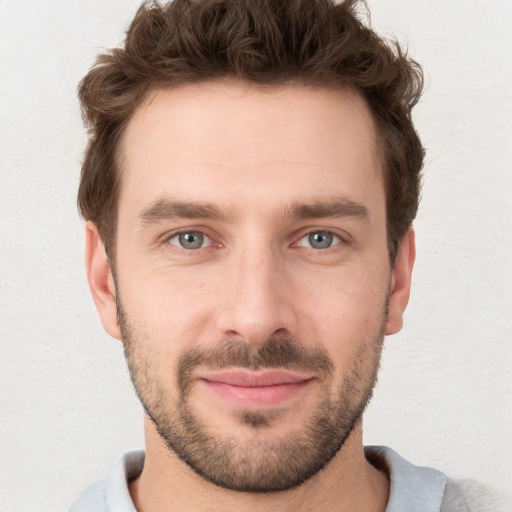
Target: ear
(401, 283)
(100, 280)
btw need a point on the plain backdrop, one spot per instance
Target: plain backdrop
(444, 396)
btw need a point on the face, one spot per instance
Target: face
(253, 284)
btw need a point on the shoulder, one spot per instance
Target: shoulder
(111, 493)
(425, 489)
(472, 496)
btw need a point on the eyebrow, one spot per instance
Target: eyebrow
(167, 209)
(333, 207)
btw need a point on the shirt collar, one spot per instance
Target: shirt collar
(412, 487)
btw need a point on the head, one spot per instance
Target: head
(250, 183)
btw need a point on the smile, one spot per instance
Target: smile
(255, 389)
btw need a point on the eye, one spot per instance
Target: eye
(320, 240)
(190, 240)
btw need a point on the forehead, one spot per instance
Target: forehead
(240, 142)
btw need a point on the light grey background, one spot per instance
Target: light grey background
(444, 396)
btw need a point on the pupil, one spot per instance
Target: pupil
(191, 240)
(320, 240)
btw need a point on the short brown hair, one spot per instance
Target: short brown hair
(272, 42)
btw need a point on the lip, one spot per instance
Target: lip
(255, 389)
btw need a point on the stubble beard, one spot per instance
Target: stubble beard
(259, 463)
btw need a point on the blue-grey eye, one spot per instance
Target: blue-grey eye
(320, 240)
(190, 240)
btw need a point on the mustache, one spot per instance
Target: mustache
(274, 353)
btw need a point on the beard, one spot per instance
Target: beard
(263, 462)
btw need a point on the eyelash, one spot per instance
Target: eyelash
(336, 240)
(178, 234)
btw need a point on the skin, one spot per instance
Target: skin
(253, 155)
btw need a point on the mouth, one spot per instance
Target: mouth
(255, 389)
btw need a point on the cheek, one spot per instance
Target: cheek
(342, 310)
(334, 307)
(173, 305)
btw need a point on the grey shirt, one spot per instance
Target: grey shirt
(413, 488)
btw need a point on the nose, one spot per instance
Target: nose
(256, 302)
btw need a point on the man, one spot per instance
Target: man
(249, 188)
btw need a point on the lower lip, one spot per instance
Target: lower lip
(256, 396)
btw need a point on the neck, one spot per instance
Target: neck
(348, 483)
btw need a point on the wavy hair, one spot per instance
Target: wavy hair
(322, 43)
